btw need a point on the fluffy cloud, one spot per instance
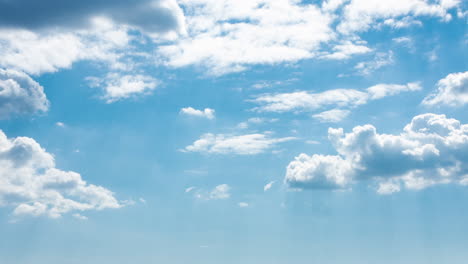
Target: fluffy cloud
(30, 182)
(157, 16)
(432, 149)
(451, 90)
(306, 101)
(20, 95)
(206, 113)
(250, 144)
(117, 86)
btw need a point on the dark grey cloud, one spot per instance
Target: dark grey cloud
(149, 15)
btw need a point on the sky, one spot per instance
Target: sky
(232, 131)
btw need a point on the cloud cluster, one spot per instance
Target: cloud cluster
(249, 144)
(432, 149)
(20, 95)
(304, 101)
(30, 182)
(451, 90)
(206, 113)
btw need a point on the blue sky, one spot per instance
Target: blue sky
(222, 131)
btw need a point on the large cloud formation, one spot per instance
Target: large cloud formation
(432, 149)
(19, 94)
(30, 182)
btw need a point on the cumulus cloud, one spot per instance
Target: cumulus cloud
(451, 90)
(206, 113)
(306, 101)
(157, 16)
(20, 95)
(117, 86)
(32, 185)
(249, 144)
(432, 149)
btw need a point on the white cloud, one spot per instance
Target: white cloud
(189, 189)
(383, 90)
(30, 183)
(220, 192)
(432, 149)
(306, 101)
(332, 116)
(268, 186)
(206, 113)
(60, 124)
(318, 172)
(80, 217)
(218, 31)
(346, 50)
(117, 86)
(380, 60)
(249, 144)
(243, 205)
(451, 90)
(50, 51)
(388, 187)
(361, 15)
(255, 121)
(20, 95)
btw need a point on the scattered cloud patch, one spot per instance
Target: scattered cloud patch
(332, 116)
(268, 186)
(207, 113)
(380, 60)
(243, 205)
(249, 144)
(451, 90)
(432, 149)
(306, 101)
(118, 87)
